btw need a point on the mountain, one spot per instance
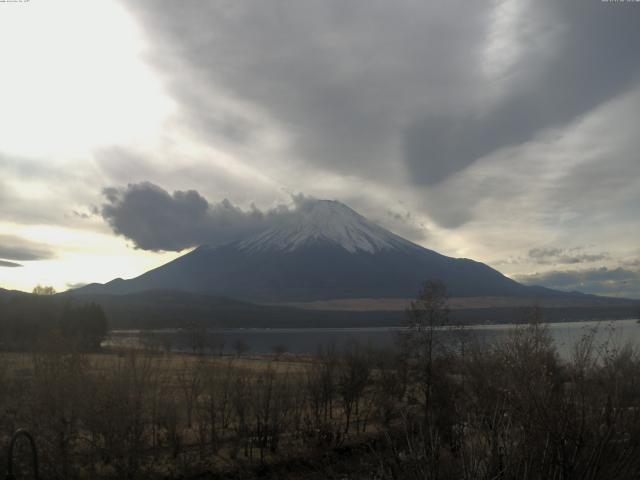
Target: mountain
(325, 250)
(11, 293)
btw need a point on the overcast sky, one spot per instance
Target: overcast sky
(503, 131)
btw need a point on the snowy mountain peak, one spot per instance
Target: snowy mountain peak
(325, 222)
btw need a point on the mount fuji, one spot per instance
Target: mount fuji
(324, 250)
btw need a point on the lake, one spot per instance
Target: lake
(310, 340)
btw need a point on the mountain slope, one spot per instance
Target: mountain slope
(11, 293)
(326, 250)
(175, 309)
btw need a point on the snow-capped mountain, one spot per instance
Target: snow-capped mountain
(323, 251)
(325, 222)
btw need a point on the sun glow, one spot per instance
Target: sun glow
(73, 79)
(76, 261)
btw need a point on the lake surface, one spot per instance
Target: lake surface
(310, 340)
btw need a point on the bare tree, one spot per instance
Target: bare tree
(190, 380)
(278, 351)
(353, 378)
(43, 290)
(240, 347)
(215, 409)
(419, 343)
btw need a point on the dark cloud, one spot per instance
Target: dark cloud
(351, 82)
(4, 263)
(340, 78)
(580, 72)
(601, 281)
(155, 219)
(16, 248)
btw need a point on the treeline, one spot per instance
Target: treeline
(29, 320)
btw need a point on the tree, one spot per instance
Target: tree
(240, 347)
(278, 351)
(428, 312)
(353, 378)
(425, 315)
(198, 337)
(85, 323)
(43, 290)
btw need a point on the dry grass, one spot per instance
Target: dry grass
(21, 363)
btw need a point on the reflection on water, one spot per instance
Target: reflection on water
(310, 340)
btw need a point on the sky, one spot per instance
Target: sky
(504, 131)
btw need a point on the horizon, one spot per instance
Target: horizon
(504, 132)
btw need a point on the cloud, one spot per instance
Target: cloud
(45, 191)
(457, 117)
(552, 256)
(601, 281)
(4, 263)
(403, 223)
(82, 215)
(340, 80)
(356, 85)
(155, 219)
(556, 256)
(564, 185)
(576, 75)
(16, 248)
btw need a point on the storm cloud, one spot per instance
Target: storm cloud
(155, 219)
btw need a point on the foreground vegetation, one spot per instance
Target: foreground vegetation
(427, 410)
(27, 321)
